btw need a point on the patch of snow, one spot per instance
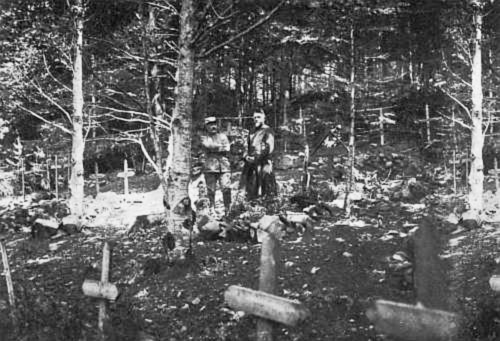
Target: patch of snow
(455, 241)
(413, 207)
(142, 294)
(42, 260)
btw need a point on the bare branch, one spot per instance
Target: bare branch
(53, 77)
(244, 32)
(458, 102)
(162, 121)
(455, 120)
(66, 130)
(454, 74)
(168, 61)
(490, 118)
(139, 104)
(51, 100)
(135, 139)
(222, 15)
(132, 112)
(168, 6)
(138, 140)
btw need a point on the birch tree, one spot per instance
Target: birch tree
(469, 53)
(192, 31)
(181, 124)
(476, 177)
(76, 183)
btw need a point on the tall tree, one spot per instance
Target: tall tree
(191, 30)
(476, 177)
(76, 183)
(466, 32)
(181, 125)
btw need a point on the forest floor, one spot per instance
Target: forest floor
(337, 275)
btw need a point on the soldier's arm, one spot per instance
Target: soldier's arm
(208, 143)
(270, 142)
(225, 145)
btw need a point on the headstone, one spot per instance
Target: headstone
(430, 271)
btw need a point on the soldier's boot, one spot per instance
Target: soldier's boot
(211, 198)
(226, 197)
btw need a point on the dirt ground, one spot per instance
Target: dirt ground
(337, 275)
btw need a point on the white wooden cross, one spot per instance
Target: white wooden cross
(104, 290)
(125, 175)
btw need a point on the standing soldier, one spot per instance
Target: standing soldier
(216, 167)
(257, 176)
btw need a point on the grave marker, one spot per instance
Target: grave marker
(56, 180)
(413, 322)
(262, 303)
(104, 290)
(428, 320)
(125, 174)
(8, 278)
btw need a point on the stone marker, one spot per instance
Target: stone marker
(413, 323)
(430, 272)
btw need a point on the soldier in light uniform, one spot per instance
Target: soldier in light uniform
(216, 167)
(257, 177)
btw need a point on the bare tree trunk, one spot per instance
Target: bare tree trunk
(476, 177)
(428, 123)
(180, 167)
(239, 93)
(347, 205)
(148, 26)
(381, 126)
(410, 55)
(76, 182)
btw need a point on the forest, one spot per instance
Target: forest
(386, 146)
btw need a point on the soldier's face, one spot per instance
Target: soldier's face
(212, 128)
(258, 121)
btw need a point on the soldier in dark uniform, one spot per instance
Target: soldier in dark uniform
(257, 177)
(216, 166)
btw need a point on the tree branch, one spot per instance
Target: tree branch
(458, 102)
(169, 7)
(51, 100)
(454, 74)
(45, 120)
(455, 120)
(242, 33)
(165, 123)
(53, 77)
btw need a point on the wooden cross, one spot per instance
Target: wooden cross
(6, 273)
(125, 174)
(104, 290)
(263, 303)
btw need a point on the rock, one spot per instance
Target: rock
(470, 220)
(71, 224)
(143, 222)
(273, 225)
(44, 228)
